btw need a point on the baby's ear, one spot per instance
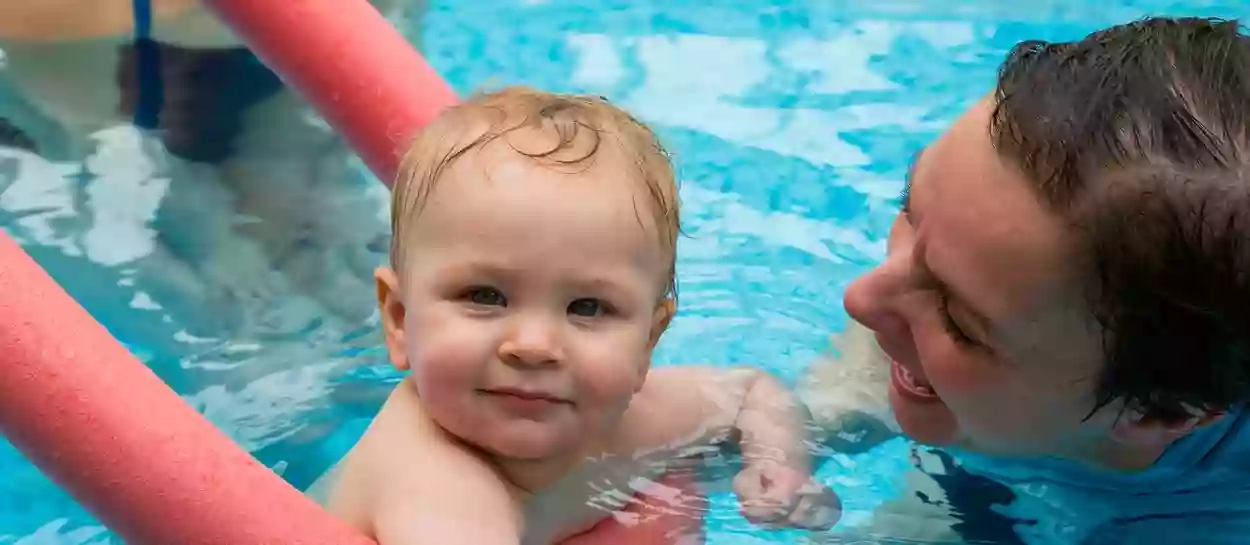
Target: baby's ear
(391, 307)
(660, 319)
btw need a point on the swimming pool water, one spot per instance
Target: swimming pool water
(791, 123)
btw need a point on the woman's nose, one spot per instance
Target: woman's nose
(872, 298)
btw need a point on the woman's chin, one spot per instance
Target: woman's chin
(928, 421)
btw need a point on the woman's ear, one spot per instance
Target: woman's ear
(1139, 429)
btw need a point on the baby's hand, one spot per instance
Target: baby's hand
(774, 494)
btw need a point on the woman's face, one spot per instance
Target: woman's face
(978, 306)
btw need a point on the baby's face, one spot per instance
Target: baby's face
(533, 299)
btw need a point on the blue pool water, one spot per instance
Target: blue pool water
(791, 123)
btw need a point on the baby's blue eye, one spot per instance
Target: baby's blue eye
(587, 307)
(486, 297)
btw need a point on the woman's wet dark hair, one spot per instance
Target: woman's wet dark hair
(1139, 136)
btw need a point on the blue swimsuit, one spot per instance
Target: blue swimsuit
(1197, 493)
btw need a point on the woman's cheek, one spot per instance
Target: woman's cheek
(955, 371)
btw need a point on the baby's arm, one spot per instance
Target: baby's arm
(847, 394)
(693, 405)
(689, 406)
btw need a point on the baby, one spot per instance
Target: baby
(532, 273)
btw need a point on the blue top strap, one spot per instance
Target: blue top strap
(143, 19)
(148, 66)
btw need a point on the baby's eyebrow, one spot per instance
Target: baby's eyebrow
(478, 268)
(601, 284)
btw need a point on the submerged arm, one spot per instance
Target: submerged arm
(690, 406)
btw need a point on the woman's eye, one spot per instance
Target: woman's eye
(589, 308)
(952, 327)
(486, 297)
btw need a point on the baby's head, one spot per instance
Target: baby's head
(532, 268)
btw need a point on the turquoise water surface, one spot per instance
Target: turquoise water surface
(791, 123)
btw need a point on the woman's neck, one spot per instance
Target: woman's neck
(1123, 458)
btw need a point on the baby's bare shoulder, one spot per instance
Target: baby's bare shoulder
(384, 456)
(354, 484)
(404, 463)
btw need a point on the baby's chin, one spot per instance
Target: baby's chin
(526, 443)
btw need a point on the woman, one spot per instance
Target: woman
(1064, 308)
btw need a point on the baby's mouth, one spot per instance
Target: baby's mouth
(913, 385)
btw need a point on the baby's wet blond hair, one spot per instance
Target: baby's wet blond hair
(575, 129)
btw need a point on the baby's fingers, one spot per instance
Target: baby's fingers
(761, 502)
(817, 509)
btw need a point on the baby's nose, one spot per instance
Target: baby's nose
(532, 342)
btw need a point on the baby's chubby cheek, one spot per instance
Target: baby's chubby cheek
(441, 367)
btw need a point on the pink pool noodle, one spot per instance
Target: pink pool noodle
(109, 431)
